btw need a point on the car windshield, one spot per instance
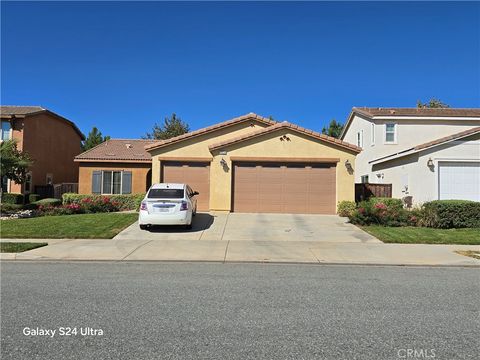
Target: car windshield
(165, 194)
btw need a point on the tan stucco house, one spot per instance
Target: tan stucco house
(246, 164)
(51, 140)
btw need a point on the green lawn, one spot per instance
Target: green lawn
(422, 235)
(14, 247)
(85, 226)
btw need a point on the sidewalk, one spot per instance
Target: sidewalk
(312, 252)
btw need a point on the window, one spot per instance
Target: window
(49, 179)
(364, 179)
(390, 133)
(372, 134)
(4, 184)
(28, 182)
(111, 182)
(360, 138)
(165, 194)
(5, 131)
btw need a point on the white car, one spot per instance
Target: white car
(168, 204)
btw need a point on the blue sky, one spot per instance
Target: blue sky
(122, 66)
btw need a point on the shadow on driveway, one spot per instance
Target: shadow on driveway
(200, 222)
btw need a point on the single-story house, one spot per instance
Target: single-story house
(117, 166)
(247, 164)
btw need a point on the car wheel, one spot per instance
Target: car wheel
(143, 227)
(188, 226)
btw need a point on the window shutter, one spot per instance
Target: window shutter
(127, 182)
(97, 182)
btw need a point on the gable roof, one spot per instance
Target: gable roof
(408, 113)
(287, 125)
(118, 150)
(427, 145)
(209, 129)
(425, 112)
(14, 111)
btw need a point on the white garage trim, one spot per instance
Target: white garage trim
(438, 163)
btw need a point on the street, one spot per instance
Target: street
(237, 311)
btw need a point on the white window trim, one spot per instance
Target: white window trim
(111, 186)
(360, 143)
(10, 132)
(394, 142)
(372, 134)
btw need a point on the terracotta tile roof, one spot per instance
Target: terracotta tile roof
(206, 130)
(459, 135)
(19, 110)
(10, 111)
(448, 112)
(291, 126)
(128, 150)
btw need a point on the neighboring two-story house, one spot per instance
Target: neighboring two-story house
(425, 153)
(51, 141)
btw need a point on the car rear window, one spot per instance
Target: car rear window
(165, 194)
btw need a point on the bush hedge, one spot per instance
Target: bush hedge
(346, 208)
(12, 198)
(123, 202)
(451, 214)
(390, 203)
(48, 202)
(33, 197)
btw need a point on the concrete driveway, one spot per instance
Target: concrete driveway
(256, 227)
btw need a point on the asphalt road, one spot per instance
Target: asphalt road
(239, 311)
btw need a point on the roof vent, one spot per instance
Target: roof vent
(129, 146)
(392, 112)
(110, 154)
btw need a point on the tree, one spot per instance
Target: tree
(334, 129)
(172, 126)
(93, 139)
(15, 163)
(433, 103)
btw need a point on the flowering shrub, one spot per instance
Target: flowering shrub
(98, 204)
(380, 213)
(124, 202)
(50, 210)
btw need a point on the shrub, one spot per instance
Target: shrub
(346, 208)
(8, 208)
(33, 197)
(390, 203)
(451, 214)
(12, 198)
(49, 210)
(124, 202)
(376, 211)
(48, 202)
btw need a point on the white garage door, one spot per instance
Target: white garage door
(459, 180)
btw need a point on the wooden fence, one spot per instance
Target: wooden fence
(366, 191)
(60, 189)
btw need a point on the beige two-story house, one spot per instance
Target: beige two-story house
(425, 153)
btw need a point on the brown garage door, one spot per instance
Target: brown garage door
(284, 188)
(195, 174)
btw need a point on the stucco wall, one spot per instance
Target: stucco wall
(139, 175)
(53, 144)
(198, 146)
(422, 180)
(409, 133)
(299, 146)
